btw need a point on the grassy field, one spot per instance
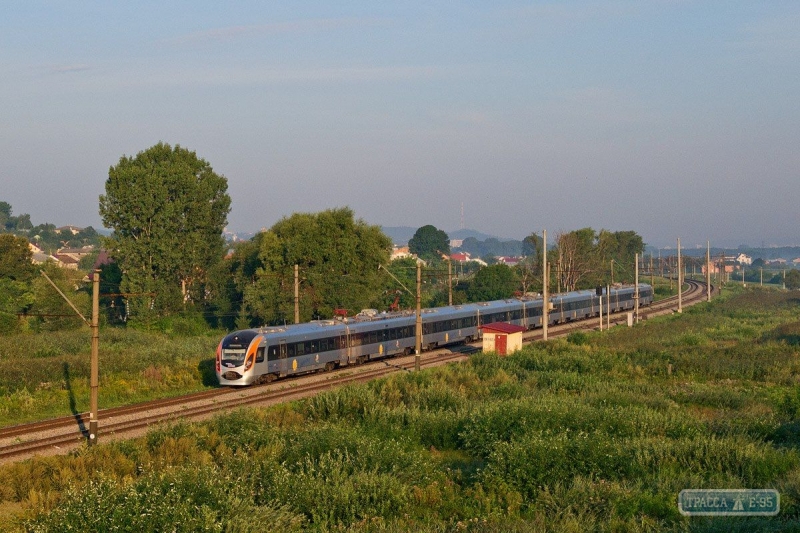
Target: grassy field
(47, 375)
(596, 432)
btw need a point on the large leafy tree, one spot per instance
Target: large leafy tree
(338, 260)
(5, 214)
(577, 257)
(793, 279)
(16, 272)
(429, 243)
(15, 258)
(621, 247)
(229, 279)
(584, 257)
(493, 282)
(167, 208)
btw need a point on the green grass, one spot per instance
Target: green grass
(47, 375)
(598, 432)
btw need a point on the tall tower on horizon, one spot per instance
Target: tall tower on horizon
(462, 215)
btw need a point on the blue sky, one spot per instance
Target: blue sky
(676, 119)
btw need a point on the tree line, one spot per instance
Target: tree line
(46, 236)
(167, 209)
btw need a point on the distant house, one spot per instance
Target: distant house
(69, 229)
(509, 261)
(744, 259)
(67, 261)
(713, 268)
(464, 257)
(39, 257)
(75, 253)
(400, 252)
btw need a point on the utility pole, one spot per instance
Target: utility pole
(94, 373)
(296, 294)
(449, 281)
(418, 334)
(680, 279)
(652, 280)
(708, 271)
(669, 272)
(636, 292)
(600, 290)
(95, 365)
(545, 282)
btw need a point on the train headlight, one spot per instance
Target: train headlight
(249, 364)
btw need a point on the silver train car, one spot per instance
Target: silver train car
(261, 355)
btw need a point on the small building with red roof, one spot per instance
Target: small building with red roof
(502, 337)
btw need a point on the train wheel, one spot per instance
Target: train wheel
(329, 366)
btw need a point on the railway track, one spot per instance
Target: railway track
(63, 434)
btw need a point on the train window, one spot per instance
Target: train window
(290, 350)
(272, 353)
(300, 348)
(260, 355)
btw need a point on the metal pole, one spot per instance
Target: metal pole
(680, 279)
(418, 335)
(449, 282)
(95, 364)
(296, 294)
(601, 310)
(608, 308)
(708, 271)
(545, 283)
(636, 292)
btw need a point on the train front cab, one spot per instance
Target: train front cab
(237, 355)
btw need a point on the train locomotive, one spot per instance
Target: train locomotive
(263, 354)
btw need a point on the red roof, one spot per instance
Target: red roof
(502, 327)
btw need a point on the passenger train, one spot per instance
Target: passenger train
(261, 355)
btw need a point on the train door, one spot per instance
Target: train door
(344, 345)
(283, 360)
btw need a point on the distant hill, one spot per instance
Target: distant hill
(400, 235)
